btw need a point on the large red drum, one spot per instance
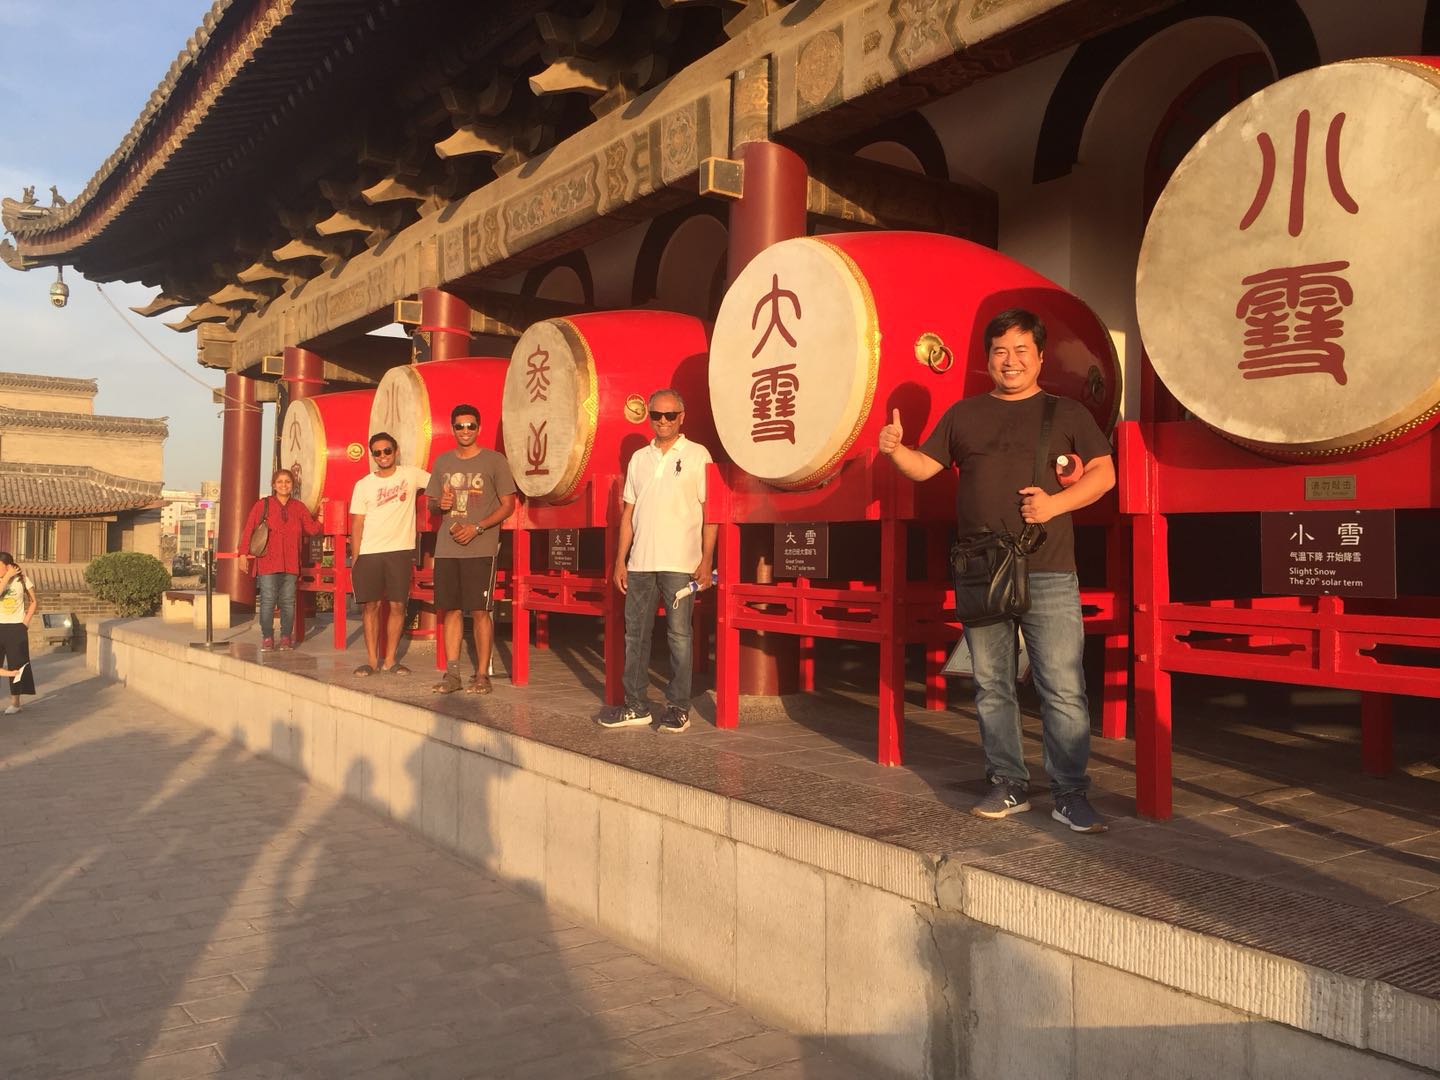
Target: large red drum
(820, 338)
(413, 404)
(324, 444)
(1287, 268)
(577, 390)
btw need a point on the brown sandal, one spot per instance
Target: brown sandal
(448, 684)
(480, 684)
(364, 671)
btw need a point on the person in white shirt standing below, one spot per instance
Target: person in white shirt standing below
(664, 546)
(382, 536)
(472, 487)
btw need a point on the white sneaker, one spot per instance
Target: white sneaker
(11, 710)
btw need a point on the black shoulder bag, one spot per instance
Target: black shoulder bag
(992, 570)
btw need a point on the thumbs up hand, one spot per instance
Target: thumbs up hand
(891, 435)
(447, 496)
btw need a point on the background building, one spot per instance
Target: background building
(73, 484)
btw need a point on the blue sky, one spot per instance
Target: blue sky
(74, 75)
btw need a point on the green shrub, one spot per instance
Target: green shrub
(133, 582)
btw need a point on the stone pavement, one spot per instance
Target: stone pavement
(171, 906)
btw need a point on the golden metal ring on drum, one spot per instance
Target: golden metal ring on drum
(636, 409)
(931, 351)
(1094, 384)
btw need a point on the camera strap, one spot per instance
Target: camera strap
(1031, 536)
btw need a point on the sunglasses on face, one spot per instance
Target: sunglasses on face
(672, 416)
(384, 451)
(466, 427)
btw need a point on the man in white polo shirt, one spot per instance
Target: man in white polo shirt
(664, 546)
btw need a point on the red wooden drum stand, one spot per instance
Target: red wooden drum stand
(1372, 646)
(890, 611)
(817, 344)
(575, 411)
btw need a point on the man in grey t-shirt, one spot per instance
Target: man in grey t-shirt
(472, 488)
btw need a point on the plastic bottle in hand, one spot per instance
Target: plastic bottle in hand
(693, 586)
(1068, 469)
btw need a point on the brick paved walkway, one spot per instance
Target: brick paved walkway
(171, 906)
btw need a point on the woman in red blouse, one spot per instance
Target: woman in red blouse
(278, 568)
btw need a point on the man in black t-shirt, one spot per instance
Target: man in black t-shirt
(992, 441)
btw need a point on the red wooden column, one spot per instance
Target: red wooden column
(1377, 734)
(445, 325)
(773, 204)
(304, 374)
(1115, 695)
(892, 637)
(771, 208)
(239, 482)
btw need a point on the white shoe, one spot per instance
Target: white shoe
(12, 710)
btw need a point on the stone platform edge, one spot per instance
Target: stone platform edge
(726, 893)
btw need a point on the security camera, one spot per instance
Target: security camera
(59, 294)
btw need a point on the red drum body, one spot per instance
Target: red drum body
(820, 338)
(413, 404)
(577, 395)
(1287, 267)
(324, 443)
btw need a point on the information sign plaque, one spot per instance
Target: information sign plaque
(1328, 552)
(802, 549)
(564, 549)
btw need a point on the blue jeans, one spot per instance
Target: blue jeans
(644, 589)
(276, 589)
(1055, 638)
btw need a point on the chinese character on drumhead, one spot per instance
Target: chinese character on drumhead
(1298, 169)
(773, 298)
(773, 397)
(537, 375)
(1292, 319)
(537, 446)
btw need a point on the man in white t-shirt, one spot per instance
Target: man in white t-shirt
(382, 539)
(665, 545)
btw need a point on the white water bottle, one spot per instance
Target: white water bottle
(694, 586)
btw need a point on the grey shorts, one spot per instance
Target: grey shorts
(382, 575)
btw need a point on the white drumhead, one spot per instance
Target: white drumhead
(303, 451)
(402, 407)
(1289, 265)
(549, 409)
(793, 362)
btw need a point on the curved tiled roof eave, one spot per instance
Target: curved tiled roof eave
(70, 490)
(87, 423)
(61, 219)
(24, 380)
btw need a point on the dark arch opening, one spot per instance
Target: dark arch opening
(1279, 24)
(911, 131)
(575, 261)
(657, 237)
